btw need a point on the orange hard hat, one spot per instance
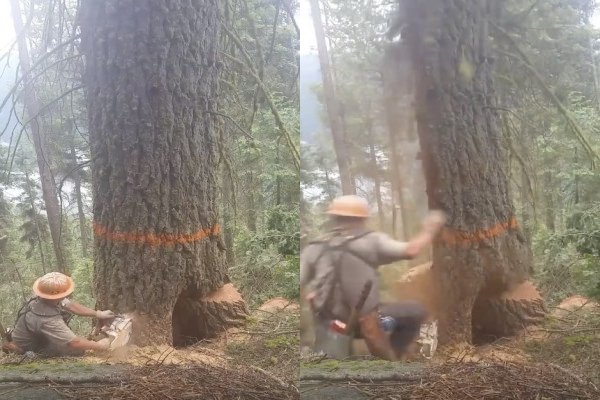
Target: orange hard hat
(349, 206)
(53, 285)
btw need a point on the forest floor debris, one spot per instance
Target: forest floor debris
(270, 340)
(483, 381)
(258, 361)
(188, 381)
(569, 338)
(557, 360)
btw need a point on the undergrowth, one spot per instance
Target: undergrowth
(573, 342)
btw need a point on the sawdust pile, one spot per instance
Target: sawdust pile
(486, 381)
(192, 381)
(523, 291)
(164, 354)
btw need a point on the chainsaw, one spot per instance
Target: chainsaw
(117, 329)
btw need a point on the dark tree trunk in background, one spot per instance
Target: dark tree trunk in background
(398, 92)
(42, 153)
(375, 171)
(250, 201)
(152, 86)
(38, 229)
(527, 213)
(482, 253)
(83, 230)
(332, 105)
(549, 196)
(228, 215)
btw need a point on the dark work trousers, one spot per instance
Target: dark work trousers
(408, 317)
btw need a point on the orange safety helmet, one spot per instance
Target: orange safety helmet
(53, 285)
(349, 206)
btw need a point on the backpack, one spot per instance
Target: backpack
(26, 308)
(330, 284)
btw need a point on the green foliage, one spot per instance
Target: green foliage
(569, 261)
(268, 264)
(261, 193)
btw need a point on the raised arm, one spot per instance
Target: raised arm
(390, 250)
(431, 226)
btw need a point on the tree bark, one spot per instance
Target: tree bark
(482, 251)
(42, 152)
(332, 105)
(151, 77)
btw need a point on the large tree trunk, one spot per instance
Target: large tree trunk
(332, 105)
(42, 152)
(152, 86)
(482, 252)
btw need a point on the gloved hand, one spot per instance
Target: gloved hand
(434, 221)
(105, 343)
(106, 314)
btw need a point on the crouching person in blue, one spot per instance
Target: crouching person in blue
(335, 268)
(41, 325)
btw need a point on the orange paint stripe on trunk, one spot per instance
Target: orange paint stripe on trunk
(154, 239)
(453, 238)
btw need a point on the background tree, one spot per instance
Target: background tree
(334, 110)
(39, 137)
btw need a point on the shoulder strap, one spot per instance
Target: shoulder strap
(336, 270)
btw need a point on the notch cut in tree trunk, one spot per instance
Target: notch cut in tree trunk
(493, 315)
(204, 318)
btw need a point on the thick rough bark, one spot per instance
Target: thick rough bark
(152, 85)
(331, 104)
(42, 153)
(483, 252)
